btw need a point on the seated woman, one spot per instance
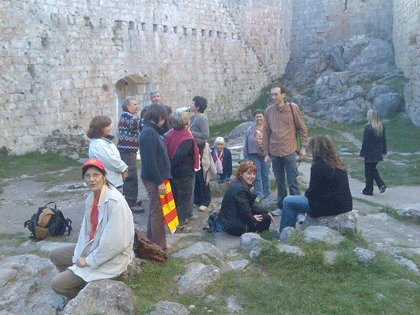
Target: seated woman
(222, 158)
(104, 248)
(238, 215)
(328, 192)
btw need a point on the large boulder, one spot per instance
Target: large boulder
(343, 223)
(377, 90)
(388, 104)
(411, 211)
(251, 240)
(335, 58)
(378, 56)
(169, 308)
(197, 278)
(322, 234)
(350, 112)
(240, 130)
(198, 249)
(102, 297)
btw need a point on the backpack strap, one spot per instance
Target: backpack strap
(55, 205)
(69, 228)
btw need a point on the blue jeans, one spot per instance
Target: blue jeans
(262, 181)
(287, 162)
(292, 206)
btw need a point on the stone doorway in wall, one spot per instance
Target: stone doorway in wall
(132, 85)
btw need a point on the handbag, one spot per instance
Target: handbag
(146, 249)
(297, 134)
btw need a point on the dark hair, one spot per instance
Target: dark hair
(282, 88)
(258, 111)
(126, 102)
(155, 113)
(107, 182)
(97, 125)
(322, 149)
(200, 103)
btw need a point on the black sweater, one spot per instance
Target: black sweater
(329, 191)
(238, 210)
(373, 146)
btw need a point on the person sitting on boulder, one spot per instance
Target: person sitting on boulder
(222, 158)
(238, 215)
(329, 191)
(104, 248)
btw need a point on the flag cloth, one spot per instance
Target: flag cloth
(168, 207)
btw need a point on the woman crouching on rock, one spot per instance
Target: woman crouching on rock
(105, 244)
(329, 191)
(238, 215)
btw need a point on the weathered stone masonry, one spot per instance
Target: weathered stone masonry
(406, 33)
(61, 65)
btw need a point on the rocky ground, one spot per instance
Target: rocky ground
(25, 271)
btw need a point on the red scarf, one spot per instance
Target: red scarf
(175, 137)
(94, 213)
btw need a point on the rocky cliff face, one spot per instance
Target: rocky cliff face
(343, 82)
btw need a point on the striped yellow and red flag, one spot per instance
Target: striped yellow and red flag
(168, 207)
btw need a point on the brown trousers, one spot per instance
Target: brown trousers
(66, 282)
(156, 221)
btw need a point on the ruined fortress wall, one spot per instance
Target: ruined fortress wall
(61, 65)
(407, 52)
(323, 23)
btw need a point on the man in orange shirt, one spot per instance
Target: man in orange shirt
(281, 122)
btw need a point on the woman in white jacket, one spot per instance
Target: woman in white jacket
(103, 148)
(105, 244)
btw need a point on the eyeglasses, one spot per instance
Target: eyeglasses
(89, 176)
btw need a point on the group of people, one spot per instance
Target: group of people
(273, 137)
(173, 146)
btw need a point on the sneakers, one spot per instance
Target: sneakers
(258, 199)
(137, 209)
(276, 212)
(301, 218)
(382, 189)
(203, 208)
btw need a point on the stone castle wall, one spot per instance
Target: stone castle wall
(62, 65)
(407, 52)
(324, 23)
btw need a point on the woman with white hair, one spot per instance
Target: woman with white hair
(373, 151)
(222, 158)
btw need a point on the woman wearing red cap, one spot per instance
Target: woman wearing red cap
(104, 248)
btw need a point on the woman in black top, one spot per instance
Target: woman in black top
(238, 215)
(329, 190)
(184, 157)
(373, 151)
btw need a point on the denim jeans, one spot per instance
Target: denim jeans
(287, 162)
(262, 181)
(292, 206)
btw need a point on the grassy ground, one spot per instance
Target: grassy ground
(287, 284)
(402, 137)
(48, 167)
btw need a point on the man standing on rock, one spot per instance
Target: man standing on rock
(128, 145)
(281, 122)
(156, 98)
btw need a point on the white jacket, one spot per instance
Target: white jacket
(105, 150)
(111, 250)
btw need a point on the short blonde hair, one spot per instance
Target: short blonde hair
(219, 140)
(179, 119)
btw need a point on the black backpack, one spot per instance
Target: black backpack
(48, 222)
(211, 221)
